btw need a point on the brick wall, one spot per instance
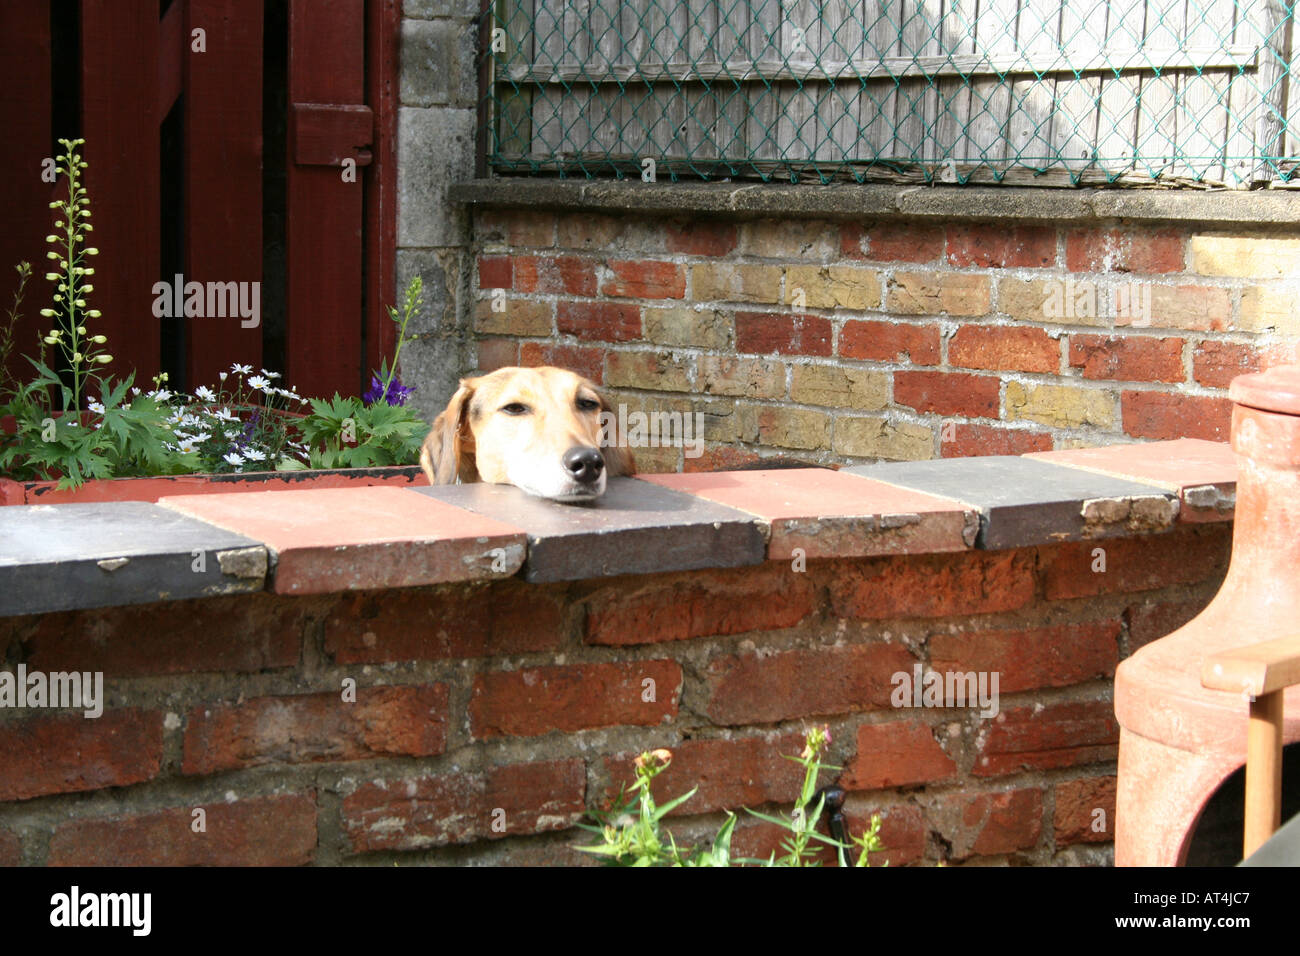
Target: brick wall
(487, 716)
(893, 340)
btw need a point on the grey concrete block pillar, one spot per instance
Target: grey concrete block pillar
(435, 147)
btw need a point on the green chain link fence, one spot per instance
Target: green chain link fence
(1015, 91)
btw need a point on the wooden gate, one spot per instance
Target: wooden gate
(244, 141)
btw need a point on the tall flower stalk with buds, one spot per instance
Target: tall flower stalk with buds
(81, 351)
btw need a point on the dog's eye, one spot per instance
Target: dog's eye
(515, 408)
(588, 404)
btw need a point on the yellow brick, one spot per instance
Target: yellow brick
(1063, 406)
(831, 287)
(1265, 307)
(736, 282)
(687, 327)
(742, 377)
(787, 239)
(588, 231)
(837, 387)
(936, 293)
(1193, 307)
(1248, 257)
(728, 422)
(793, 427)
(730, 282)
(1043, 301)
(658, 461)
(521, 317)
(881, 438)
(659, 371)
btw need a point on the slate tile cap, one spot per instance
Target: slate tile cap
(635, 527)
(66, 557)
(1022, 501)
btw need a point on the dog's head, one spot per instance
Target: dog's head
(536, 428)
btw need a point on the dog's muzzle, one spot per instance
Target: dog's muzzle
(584, 465)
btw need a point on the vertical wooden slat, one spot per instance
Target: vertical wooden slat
(1157, 131)
(1074, 119)
(957, 39)
(24, 196)
(1028, 132)
(1202, 120)
(223, 175)
(990, 102)
(324, 217)
(1117, 99)
(1272, 63)
(383, 18)
(119, 102)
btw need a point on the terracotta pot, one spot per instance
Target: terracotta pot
(1179, 740)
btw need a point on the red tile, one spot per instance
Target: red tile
(343, 539)
(1204, 473)
(834, 515)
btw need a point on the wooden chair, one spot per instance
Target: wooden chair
(1262, 671)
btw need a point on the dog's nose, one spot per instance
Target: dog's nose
(584, 464)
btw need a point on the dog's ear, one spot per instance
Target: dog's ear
(448, 452)
(618, 457)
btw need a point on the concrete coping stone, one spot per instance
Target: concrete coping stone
(70, 556)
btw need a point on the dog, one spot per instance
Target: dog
(538, 429)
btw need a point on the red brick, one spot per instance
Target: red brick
(1150, 622)
(497, 353)
(948, 393)
(1163, 416)
(419, 624)
(701, 238)
(933, 585)
(599, 321)
(555, 274)
(1216, 364)
(1132, 358)
(252, 831)
(462, 807)
(537, 700)
(971, 441)
(988, 824)
(1076, 819)
(11, 848)
(1034, 657)
(310, 728)
(897, 754)
(645, 280)
(244, 633)
(892, 242)
(764, 333)
(588, 362)
(996, 246)
(729, 774)
(495, 272)
(1134, 564)
(890, 342)
(1004, 347)
(700, 604)
(720, 458)
(809, 682)
(1047, 737)
(1090, 249)
(68, 754)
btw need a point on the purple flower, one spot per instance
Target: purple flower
(396, 395)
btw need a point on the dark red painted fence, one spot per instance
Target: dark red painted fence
(115, 83)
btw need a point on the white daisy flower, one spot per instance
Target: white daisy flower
(270, 374)
(233, 457)
(205, 393)
(252, 454)
(256, 381)
(96, 407)
(241, 369)
(135, 391)
(222, 376)
(226, 416)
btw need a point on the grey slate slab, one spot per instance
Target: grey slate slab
(1025, 502)
(635, 527)
(64, 557)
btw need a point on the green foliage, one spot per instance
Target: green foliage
(347, 433)
(631, 832)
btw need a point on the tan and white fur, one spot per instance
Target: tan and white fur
(538, 429)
